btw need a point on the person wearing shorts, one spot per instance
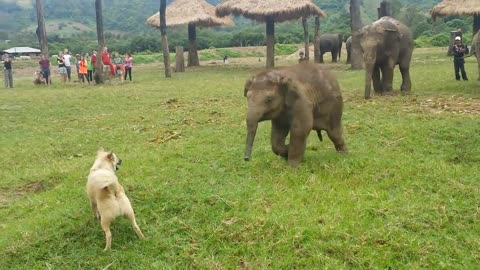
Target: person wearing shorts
(61, 67)
(67, 58)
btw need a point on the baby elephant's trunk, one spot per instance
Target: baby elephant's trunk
(252, 130)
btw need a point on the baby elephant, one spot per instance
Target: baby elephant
(296, 99)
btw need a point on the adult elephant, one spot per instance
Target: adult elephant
(348, 45)
(386, 43)
(331, 43)
(476, 44)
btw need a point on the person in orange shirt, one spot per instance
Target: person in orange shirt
(82, 69)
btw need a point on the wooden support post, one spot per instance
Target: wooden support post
(180, 62)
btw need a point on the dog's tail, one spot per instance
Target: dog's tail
(109, 185)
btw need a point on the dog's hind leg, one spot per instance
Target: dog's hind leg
(131, 217)
(105, 222)
(95, 210)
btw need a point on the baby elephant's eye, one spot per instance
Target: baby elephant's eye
(269, 99)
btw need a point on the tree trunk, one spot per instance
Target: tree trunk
(41, 31)
(163, 31)
(316, 43)
(270, 29)
(192, 46)
(180, 62)
(356, 25)
(98, 76)
(385, 9)
(306, 37)
(476, 23)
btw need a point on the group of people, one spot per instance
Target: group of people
(84, 66)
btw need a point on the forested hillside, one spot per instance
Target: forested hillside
(72, 23)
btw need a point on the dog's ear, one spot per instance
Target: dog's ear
(100, 150)
(110, 156)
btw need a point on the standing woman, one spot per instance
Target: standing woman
(82, 70)
(89, 68)
(61, 67)
(128, 66)
(7, 69)
(45, 68)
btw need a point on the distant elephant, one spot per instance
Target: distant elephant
(331, 43)
(386, 43)
(296, 99)
(348, 45)
(476, 44)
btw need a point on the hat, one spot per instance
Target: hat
(458, 38)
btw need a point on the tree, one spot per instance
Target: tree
(356, 25)
(316, 44)
(101, 42)
(163, 31)
(306, 37)
(41, 32)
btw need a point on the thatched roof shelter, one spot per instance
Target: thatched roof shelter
(456, 7)
(259, 9)
(459, 7)
(192, 13)
(270, 11)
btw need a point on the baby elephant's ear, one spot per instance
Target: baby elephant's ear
(248, 83)
(277, 77)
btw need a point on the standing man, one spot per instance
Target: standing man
(45, 68)
(459, 51)
(7, 69)
(68, 65)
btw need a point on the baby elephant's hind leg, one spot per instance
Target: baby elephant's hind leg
(131, 217)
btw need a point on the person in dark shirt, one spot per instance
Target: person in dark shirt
(459, 51)
(7, 69)
(45, 68)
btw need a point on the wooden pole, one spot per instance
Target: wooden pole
(98, 76)
(476, 23)
(316, 43)
(192, 46)
(306, 37)
(356, 24)
(270, 29)
(180, 62)
(163, 31)
(41, 31)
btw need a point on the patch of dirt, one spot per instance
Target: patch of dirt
(452, 104)
(7, 196)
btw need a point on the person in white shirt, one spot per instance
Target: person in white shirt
(66, 57)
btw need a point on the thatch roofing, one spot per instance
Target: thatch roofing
(280, 10)
(456, 7)
(198, 12)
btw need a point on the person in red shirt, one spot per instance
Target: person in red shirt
(107, 62)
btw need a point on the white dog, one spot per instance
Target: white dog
(107, 197)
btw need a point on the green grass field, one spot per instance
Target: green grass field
(406, 196)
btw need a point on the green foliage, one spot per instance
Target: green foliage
(285, 49)
(440, 40)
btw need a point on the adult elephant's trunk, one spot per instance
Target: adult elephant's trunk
(251, 131)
